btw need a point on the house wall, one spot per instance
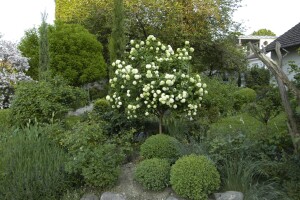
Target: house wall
(262, 41)
(292, 55)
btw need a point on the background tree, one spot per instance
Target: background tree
(75, 54)
(44, 58)
(30, 49)
(117, 39)
(264, 32)
(206, 24)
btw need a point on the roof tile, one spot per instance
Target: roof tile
(288, 39)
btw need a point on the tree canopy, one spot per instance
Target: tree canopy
(206, 24)
(75, 54)
(264, 32)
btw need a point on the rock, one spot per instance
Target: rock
(82, 110)
(229, 195)
(171, 198)
(112, 196)
(90, 197)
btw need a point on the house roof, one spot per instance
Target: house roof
(288, 39)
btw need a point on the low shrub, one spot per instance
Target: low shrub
(45, 101)
(101, 106)
(153, 174)
(243, 96)
(161, 146)
(31, 167)
(93, 155)
(194, 177)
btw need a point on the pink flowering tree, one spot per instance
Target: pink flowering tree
(153, 78)
(12, 68)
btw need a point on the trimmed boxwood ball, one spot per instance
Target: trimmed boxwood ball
(194, 177)
(153, 174)
(161, 146)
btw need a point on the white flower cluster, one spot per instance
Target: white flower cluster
(156, 80)
(12, 68)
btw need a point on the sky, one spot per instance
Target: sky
(276, 15)
(16, 16)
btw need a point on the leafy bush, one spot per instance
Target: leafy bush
(243, 96)
(92, 154)
(194, 177)
(220, 102)
(257, 77)
(267, 105)
(31, 166)
(45, 101)
(243, 134)
(153, 174)
(101, 106)
(161, 146)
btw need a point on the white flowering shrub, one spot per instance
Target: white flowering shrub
(154, 78)
(12, 68)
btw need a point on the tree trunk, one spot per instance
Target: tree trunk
(282, 80)
(161, 115)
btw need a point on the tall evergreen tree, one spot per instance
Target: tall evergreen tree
(117, 38)
(43, 48)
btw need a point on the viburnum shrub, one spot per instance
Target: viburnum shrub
(12, 70)
(153, 78)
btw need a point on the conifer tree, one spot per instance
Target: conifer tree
(43, 48)
(117, 38)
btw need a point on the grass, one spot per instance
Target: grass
(250, 178)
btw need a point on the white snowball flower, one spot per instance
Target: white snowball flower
(186, 42)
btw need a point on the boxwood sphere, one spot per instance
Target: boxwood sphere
(194, 177)
(161, 146)
(153, 174)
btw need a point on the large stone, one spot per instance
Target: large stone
(90, 197)
(229, 195)
(112, 196)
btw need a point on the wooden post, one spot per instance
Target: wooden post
(282, 81)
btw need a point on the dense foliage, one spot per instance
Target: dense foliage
(209, 27)
(92, 155)
(194, 177)
(161, 146)
(153, 174)
(75, 54)
(45, 101)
